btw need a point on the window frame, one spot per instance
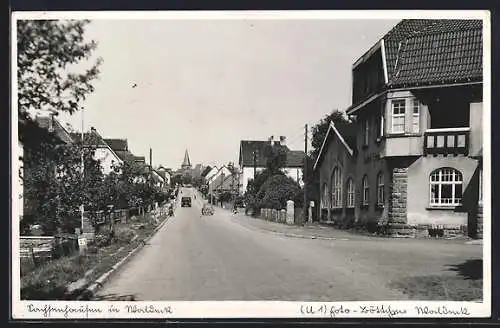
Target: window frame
(457, 179)
(351, 193)
(481, 186)
(336, 188)
(399, 115)
(365, 189)
(380, 189)
(415, 117)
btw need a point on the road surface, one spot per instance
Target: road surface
(215, 258)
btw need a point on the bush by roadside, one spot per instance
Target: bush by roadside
(50, 281)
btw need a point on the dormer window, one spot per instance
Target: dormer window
(398, 115)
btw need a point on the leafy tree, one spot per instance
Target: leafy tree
(319, 131)
(187, 178)
(53, 183)
(46, 52)
(198, 181)
(176, 179)
(275, 157)
(277, 190)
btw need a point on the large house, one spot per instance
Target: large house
(252, 159)
(44, 122)
(103, 152)
(412, 164)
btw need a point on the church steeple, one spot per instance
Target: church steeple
(187, 163)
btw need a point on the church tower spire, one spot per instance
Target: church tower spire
(186, 164)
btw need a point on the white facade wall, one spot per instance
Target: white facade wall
(247, 174)
(107, 158)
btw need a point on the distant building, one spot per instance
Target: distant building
(252, 158)
(186, 164)
(103, 152)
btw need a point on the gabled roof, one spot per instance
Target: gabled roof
(212, 173)
(295, 158)
(224, 184)
(90, 139)
(205, 171)
(429, 52)
(348, 142)
(247, 147)
(434, 52)
(125, 156)
(45, 122)
(117, 144)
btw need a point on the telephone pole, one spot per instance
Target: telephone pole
(304, 177)
(254, 163)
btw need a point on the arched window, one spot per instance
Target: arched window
(366, 190)
(324, 196)
(380, 189)
(446, 187)
(350, 193)
(336, 188)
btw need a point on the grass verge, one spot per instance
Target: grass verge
(50, 280)
(446, 287)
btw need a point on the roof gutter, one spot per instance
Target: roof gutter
(354, 109)
(437, 86)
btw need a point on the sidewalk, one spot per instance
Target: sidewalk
(318, 231)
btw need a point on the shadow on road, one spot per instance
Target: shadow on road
(470, 269)
(115, 297)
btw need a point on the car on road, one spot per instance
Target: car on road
(186, 201)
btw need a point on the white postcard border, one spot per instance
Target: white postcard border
(259, 309)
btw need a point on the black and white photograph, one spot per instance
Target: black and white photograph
(251, 164)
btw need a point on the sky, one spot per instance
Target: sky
(205, 84)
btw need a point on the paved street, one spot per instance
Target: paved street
(225, 257)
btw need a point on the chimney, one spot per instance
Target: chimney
(93, 130)
(282, 140)
(271, 140)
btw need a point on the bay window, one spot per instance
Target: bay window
(398, 115)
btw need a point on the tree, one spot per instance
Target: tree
(187, 178)
(320, 129)
(277, 190)
(275, 157)
(47, 50)
(53, 183)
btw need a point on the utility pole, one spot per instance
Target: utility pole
(82, 210)
(304, 177)
(254, 163)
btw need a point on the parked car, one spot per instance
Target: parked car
(186, 201)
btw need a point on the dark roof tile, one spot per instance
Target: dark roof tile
(117, 144)
(427, 51)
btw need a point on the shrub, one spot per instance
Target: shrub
(49, 281)
(124, 235)
(277, 190)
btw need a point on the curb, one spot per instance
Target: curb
(104, 277)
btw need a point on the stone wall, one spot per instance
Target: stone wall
(479, 230)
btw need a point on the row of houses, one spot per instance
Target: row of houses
(252, 160)
(111, 152)
(412, 156)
